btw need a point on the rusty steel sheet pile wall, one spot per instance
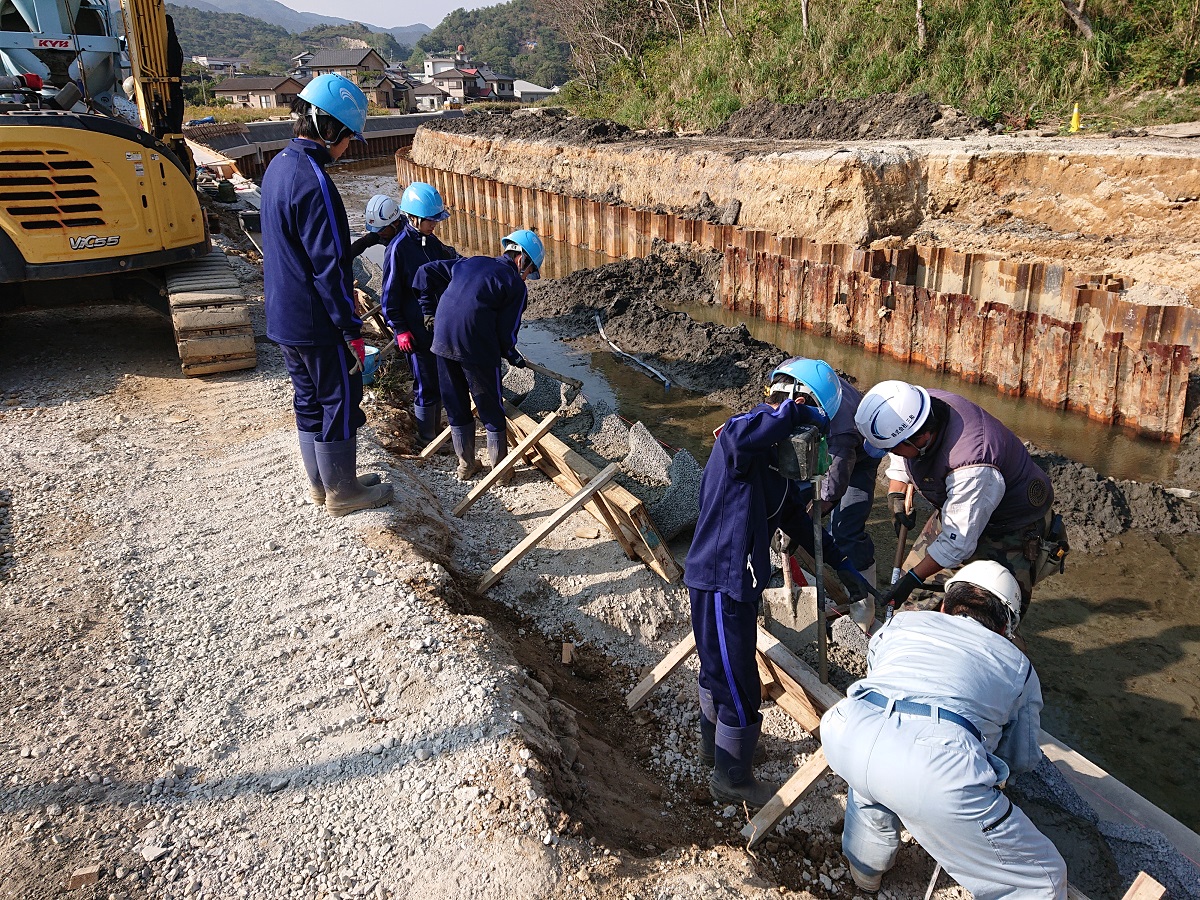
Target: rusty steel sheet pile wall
(1036, 330)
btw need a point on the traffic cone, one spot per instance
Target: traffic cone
(1075, 119)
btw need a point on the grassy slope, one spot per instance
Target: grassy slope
(1009, 59)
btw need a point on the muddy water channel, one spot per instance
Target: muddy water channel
(1116, 639)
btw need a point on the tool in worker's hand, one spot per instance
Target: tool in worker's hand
(550, 373)
(937, 870)
(901, 550)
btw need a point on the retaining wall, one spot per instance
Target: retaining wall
(1036, 330)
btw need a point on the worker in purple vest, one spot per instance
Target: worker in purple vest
(990, 499)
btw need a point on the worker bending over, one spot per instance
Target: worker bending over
(743, 500)
(848, 490)
(309, 301)
(949, 709)
(412, 247)
(473, 307)
(380, 219)
(992, 500)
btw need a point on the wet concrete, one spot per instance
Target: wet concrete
(1115, 639)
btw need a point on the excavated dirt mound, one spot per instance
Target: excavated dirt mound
(882, 117)
(536, 124)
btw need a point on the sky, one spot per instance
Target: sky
(388, 13)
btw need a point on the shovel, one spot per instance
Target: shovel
(901, 550)
(574, 384)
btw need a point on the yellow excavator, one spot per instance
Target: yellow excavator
(97, 186)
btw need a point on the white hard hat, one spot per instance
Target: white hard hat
(382, 211)
(891, 412)
(997, 581)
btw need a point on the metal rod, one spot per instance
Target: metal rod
(819, 575)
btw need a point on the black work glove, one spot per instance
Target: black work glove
(855, 584)
(516, 360)
(900, 518)
(428, 321)
(898, 592)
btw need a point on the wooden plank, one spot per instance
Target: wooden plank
(797, 709)
(505, 465)
(661, 672)
(801, 706)
(569, 508)
(822, 695)
(203, 348)
(664, 563)
(231, 364)
(1145, 888)
(436, 444)
(785, 799)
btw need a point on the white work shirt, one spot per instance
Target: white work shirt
(972, 495)
(955, 663)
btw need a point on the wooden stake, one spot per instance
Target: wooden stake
(507, 463)
(787, 797)
(661, 672)
(822, 695)
(571, 506)
(433, 446)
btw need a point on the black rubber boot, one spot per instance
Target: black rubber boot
(497, 448)
(463, 438)
(308, 455)
(708, 728)
(733, 778)
(343, 492)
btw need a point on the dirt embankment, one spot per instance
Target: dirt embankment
(881, 117)
(634, 300)
(536, 124)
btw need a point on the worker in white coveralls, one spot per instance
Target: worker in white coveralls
(992, 500)
(949, 709)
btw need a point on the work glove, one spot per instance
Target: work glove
(428, 322)
(813, 416)
(854, 583)
(900, 518)
(359, 348)
(404, 341)
(515, 359)
(898, 592)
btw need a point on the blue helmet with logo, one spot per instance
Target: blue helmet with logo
(423, 201)
(815, 377)
(528, 243)
(340, 98)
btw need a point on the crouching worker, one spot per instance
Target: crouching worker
(473, 307)
(744, 499)
(948, 711)
(309, 302)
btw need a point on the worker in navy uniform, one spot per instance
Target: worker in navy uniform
(412, 247)
(475, 307)
(743, 500)
(308, 296)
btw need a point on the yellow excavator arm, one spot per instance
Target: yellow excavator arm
(150, 44)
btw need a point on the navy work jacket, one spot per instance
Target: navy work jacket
(744, 499)
(407, 252)
(477, 304)
(307, 273)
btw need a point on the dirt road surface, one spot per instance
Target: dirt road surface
(210, 688)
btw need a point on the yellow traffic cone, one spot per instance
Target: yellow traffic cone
(1075, 119)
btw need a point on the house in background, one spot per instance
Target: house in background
(428, 98)
(459, 84)
(500, 87)
(259, 92)
(362, 64)
(387, 92)
(436, 63)
(301, 65)
(528, 92)
(221, 65)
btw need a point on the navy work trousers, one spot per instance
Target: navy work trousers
(460, 383)
(425, 378)
(848, 520)
(327, 397)
(726, 635)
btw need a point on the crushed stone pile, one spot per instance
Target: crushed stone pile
(532, 125)
(881, 117)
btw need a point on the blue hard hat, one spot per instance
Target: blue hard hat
(339, 97)
(528, 243)
(423, 201)
(812, 376)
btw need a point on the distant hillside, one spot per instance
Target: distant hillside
(267, 46)
(513, 38)
(275, 13)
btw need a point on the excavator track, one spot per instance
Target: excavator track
(211, 317)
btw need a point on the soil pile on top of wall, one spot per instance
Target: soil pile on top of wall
(882, 117)
(536, 124)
